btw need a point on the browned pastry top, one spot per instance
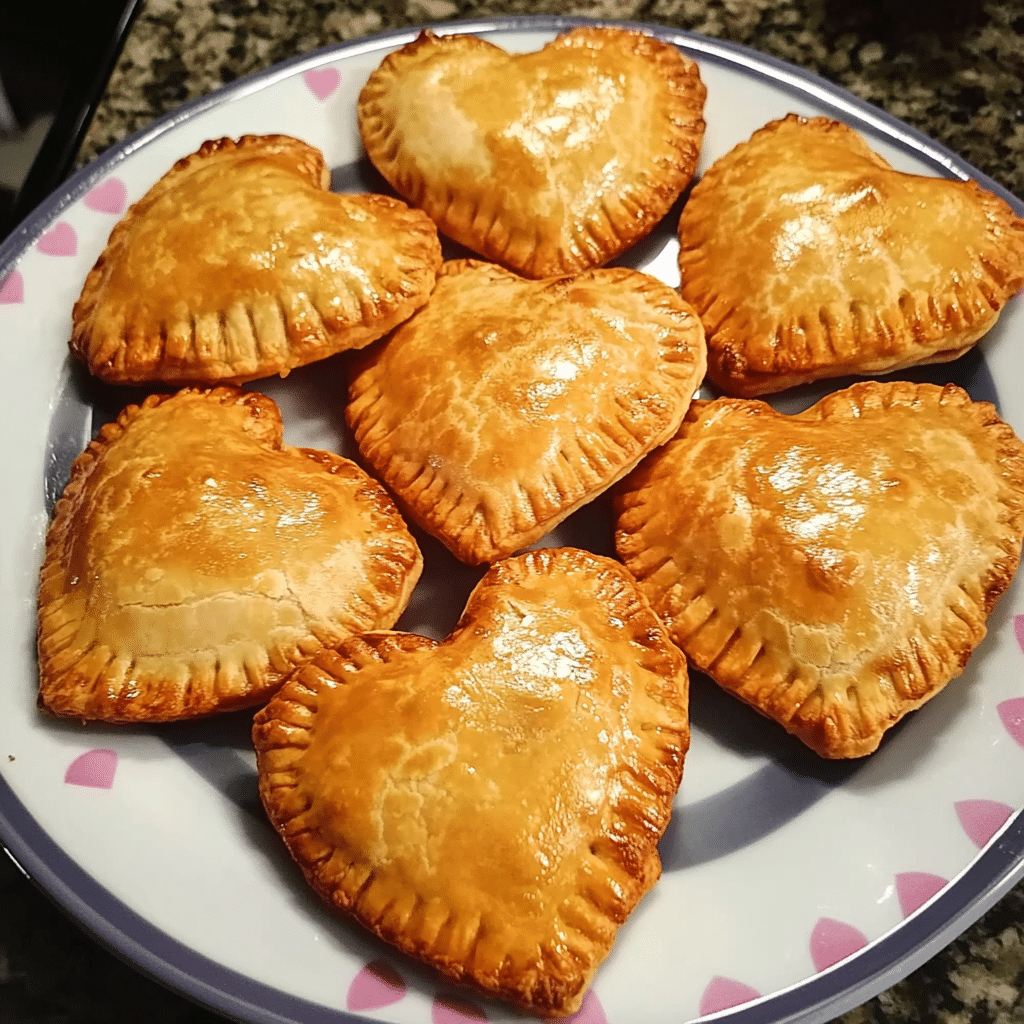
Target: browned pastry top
(240, 264)
(194, 560)
(808, 256)
(506, 404)
(549, 162)
(835, 568)
(490, 804)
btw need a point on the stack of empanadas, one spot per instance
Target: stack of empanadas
(492, 803)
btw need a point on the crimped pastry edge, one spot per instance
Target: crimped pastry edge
(519, 246)
(833, 341)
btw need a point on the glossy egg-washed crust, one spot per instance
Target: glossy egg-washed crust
(490, 804)
(194, 561)
(239, 263)
(807, 256)
(548, 162)
(832, 569)
(506, 404)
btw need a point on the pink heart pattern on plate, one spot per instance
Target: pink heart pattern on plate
(110, 197)
(591, 1012)
(377, 984)
(832, 941)
(1018, 629)
(1011, 713)
(915, 888)
(94, 768)
(322, 82)
(451, 1008)
(982, 819)
(60, 240)
(13, 289)
(724, 993)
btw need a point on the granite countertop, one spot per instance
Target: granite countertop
(953, 70)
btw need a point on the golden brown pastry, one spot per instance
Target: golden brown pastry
(490, 804)
(548, 162)
(833, 569)
(506, 404)
(238, 263)
(807, 256)
(195, 560)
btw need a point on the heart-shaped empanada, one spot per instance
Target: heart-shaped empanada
(548, 162)
(807, 256)
(238, 263)
(195, 560)
(490, 804)
(833, 569)
(506, 404)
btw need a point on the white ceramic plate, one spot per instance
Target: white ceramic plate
(793, 889)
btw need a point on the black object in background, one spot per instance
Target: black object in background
(56, 57)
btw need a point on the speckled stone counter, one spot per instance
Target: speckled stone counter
(954, 70)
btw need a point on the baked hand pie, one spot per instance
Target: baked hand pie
(808, 256)
(506, 404)
(490, 804)
(549, 162)
(833, 569)
(195, 560)
(238, 264)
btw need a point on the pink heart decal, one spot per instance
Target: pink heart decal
(915, 888)
(60, 240)
(1018, 629)
(323, 82)
(12, 289)
(93, 768)
(110, 197)
(982, 819)
(590, 1012)
(832, 941)
(377, 984)
(723, 993)
(449, 1008)
(1012, 714)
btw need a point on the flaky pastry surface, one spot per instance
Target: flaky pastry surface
(808, 256)
(548, 162)
(239, 263)
(833, 569)
(506, 404)
(490, 804)
(195, 560)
